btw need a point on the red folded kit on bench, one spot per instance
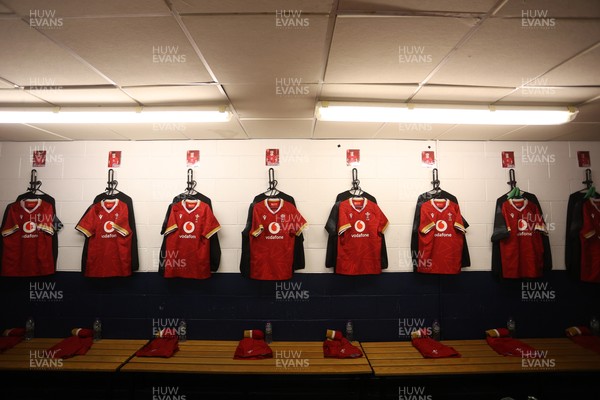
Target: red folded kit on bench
(430, 348)
(253, 346)
(11, 337)
(76, 345)
(337, 346)
(163, 346)
(505, 345)
(582, 335)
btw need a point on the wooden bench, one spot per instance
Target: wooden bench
(106, 355)
(216, 357)
(477, 357)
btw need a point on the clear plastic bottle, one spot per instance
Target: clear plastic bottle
(97, 329)
(511, 326)
(435, 330)
(595, 326)
(29, 329)
(182, 330)
(349, 331)
(269, 332)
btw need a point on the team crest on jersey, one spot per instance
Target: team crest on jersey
(282, 217)
(359, 226)
(441, 225)
(449, 216)
(274, 228)
(189, 227)
(108, 227)
(29, 227)
(368, 216)
(197, 217)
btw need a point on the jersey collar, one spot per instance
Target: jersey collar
(278, 208)
(116, 201)
(512, 203)
(185, 207)
(434, 204)
(364, 199)
(30, 210)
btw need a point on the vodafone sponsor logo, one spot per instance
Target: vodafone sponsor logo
(274, 228)
(189, 227)
(359, 226)
(29, 227)
(441, 226)
(109, 227)
(522, 225)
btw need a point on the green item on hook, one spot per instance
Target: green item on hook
(591, 192)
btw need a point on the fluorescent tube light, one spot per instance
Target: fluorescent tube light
(443, 114)
(113, 115)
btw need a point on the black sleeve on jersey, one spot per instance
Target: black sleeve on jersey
(572, 239)
(245, 259)
(2, 239)
(331, 228)
(163, 251)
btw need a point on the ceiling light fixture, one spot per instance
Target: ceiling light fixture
(141, 115)
(443, 113)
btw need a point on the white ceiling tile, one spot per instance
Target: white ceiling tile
(4, 9)
(539, 132)
(25, 133)
(83, 131)
(580, 71)
(245, 6)
(289, 129)
(458, 94)
(411, 131)
(229, 130)
(76, 97)
(282, 100)
(6, 85)
(391, 50)
(551, 8)
(340, 130)
(18, 97)
(159, 131)
(177, 95)
(252, 49)
(589, 112)
(551, 95)
(586, 132)
(28, 56)
(480, 6)
(475, 132)
(134, 51)
(358, 92)
(503, 53)
(72, 8)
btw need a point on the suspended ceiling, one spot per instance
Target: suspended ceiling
(271, 61)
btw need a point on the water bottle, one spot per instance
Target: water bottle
(97, 329)
(349, 331)
(435, 330)
(182, 330)
(595, 326)
(29, 328)
(268, 333)
(511, 326)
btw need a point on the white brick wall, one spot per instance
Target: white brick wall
(231, 173)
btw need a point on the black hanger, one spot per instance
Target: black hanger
(34, 184)
(111, 184)
(589, 184)
(272, 190)
(191, 184)
(356, 191)
(515, 192)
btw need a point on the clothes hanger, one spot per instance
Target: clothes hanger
(272, 190)
(355, 191)
(34, 185)
(190, 190)
(590, 190)
(515, 192)
(111, 184)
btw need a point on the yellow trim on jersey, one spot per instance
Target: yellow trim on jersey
(171, 229)
(385, 227)
(10, 230)
(258, 231)
(213, 232)
(344, 228)
(460, 227)
(47, 228)
(589, 234)
(541, 227)
(121, 230)
(428, 227)
(83, 230)
(301, 229)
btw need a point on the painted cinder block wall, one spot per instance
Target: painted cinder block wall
(232, 172)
